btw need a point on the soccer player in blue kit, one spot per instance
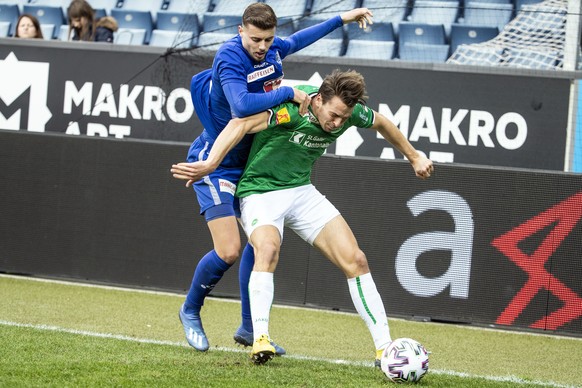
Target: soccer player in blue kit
(244, 79)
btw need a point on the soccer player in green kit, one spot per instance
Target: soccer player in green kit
(275, 191)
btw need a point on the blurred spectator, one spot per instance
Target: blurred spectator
(28, 27)
(83, 26)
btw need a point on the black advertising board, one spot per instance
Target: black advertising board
(471, 244)
(114, 91)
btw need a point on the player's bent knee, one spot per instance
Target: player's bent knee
(228, 252)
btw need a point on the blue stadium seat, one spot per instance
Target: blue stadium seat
(325, 9)
(435, 12)
(286, 8)
(325, 47)
(285, 27)
(48, 31)
(130, 36)
(212, 40)
(377, 31)
(420, 52)
(520, 3)
(47, 15)
(173, 21)
(421, 33)
(19, 3)
(135, 20)
(464, 34)
(198, 7)
(176, 39)
(230, 7)
(530, 59)
(487, 14)
(153, 6)
(394, 11)
(106, 5)
(10, 13)
(225, 24)
(64, 4)
(370, 49)
(338, 33)
(4, 29)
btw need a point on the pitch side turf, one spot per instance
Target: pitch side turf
(72, 335)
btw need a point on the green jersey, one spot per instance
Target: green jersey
(283, 155)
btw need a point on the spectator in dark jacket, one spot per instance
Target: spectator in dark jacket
(83, 26)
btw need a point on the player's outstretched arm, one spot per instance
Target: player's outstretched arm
(422, 166)
(361, 15)
(230, 136)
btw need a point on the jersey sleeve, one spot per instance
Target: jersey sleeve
(362, 116)
(243, 103)
(307, 36)
(284, 116)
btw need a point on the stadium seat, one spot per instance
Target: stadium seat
(130, 36)
(420, 52)
(285, 27)
(4, 29)
(47, 15)
(230, 7)
(520, 3)
(212, 40)
(530, 59)
(325, 47)
(463, 34)
(48, 31)
(377, 31)
(152, 6)
(10, 13)
(487, 14)
(18, 3)
(325, 9)
(338, 33)
(286, 8)
(435, 12)
(63, 34)
(134, 20)
(394, 11)
(173, 21)
(176, 39)
(370, 49)
(224, 24)
(198, 7)
(421, 33)
(106, 5)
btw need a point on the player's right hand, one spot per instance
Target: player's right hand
(302, 99)
(190, 172)
(361, 15)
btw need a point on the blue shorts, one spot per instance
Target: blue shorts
(215, 192)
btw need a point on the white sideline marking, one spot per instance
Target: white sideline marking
(226, 300)
(511, 379)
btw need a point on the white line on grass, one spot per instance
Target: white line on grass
(511, 379)
(226, 300)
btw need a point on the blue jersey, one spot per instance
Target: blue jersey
(238, 86)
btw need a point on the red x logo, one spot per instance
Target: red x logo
(565, 214)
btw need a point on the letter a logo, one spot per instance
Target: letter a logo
(564, 216)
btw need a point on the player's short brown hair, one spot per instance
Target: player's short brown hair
(260, 15)
(349, 86)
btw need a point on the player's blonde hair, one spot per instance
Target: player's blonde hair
(348, 85)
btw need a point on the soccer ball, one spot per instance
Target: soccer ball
(404, 361)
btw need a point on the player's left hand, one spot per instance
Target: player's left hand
(190, 172)
(361, 15)
(423, 167)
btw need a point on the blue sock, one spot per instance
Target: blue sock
(247, 262)
(208, 272)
